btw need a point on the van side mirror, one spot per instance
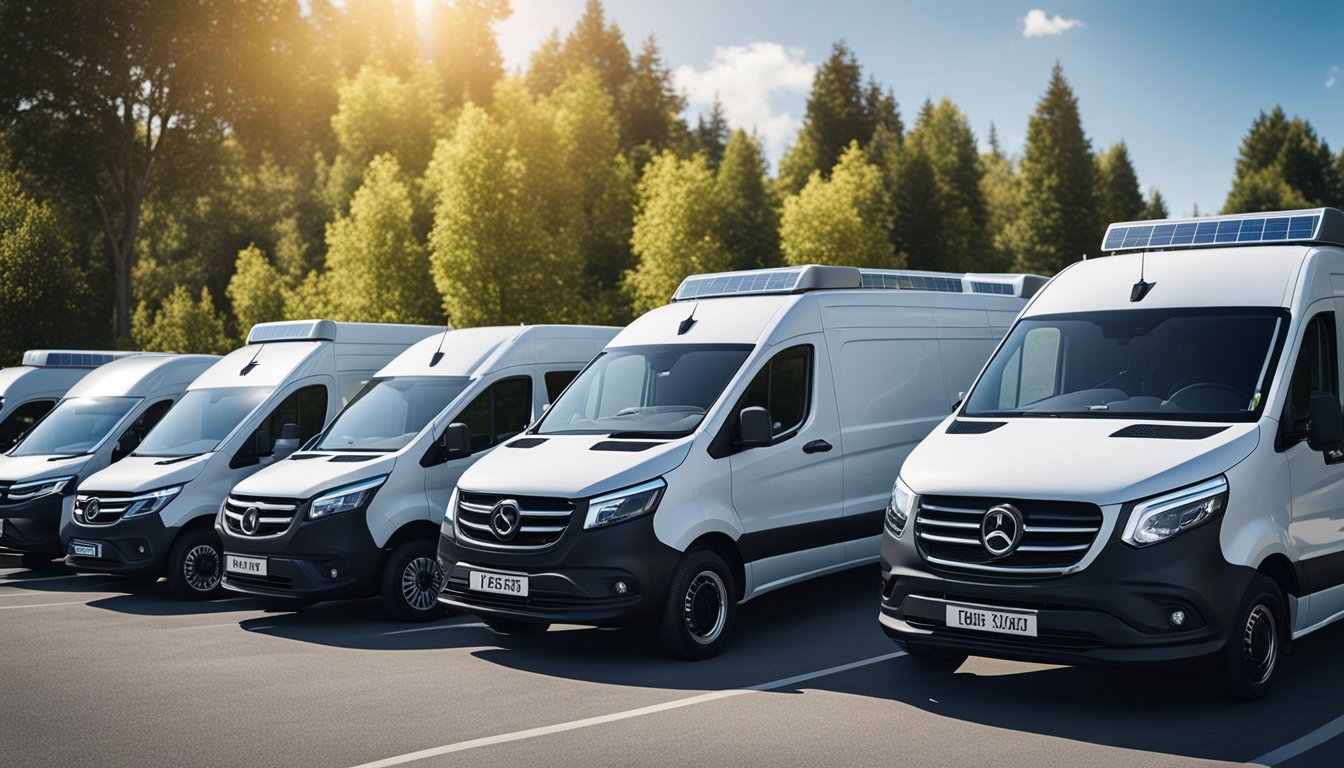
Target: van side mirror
(1327, 422)
(755, 427)
(125, 444)
(288, 442)
(261, 442)
(455, 442)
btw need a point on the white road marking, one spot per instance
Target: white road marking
(431, 629)
(39, 605)
(1305, 744)
(689, 701)
(12, 582)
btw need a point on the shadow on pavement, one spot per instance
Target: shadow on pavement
(154, 599)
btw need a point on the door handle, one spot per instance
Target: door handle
(817, 446)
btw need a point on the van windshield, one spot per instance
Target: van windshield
(75, 426)
(647, 391)
(1165, 364)
(388, 413)
(201, 420)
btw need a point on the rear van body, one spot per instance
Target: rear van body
(153, 512)
(101, 419)
(738, 440)
(357, 513)
(1149, 470)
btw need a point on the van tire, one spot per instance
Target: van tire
(1255, 648)
(932, 655)
(412, 581)
(507, 626)
(196, 565)
(701, 607)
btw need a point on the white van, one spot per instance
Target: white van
(30, 389)
(1149, 469)
(101, 419)
(153, 512)
(738, 440)
(357, 513)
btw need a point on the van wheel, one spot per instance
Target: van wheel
(412, 581)
(932, 655)
(1254, 651)
(195, 565)
(507, 626)
(701, 607)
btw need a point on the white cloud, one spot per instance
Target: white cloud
(746, 79)
(1332, 77)
(1037, 24)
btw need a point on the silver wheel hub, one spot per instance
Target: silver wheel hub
(706, 607)
(1260, 644)
(421, 583)
(201, 568)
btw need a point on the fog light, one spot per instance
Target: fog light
(620, 588)
(1177, 618)
(334, 573)
(141, 550)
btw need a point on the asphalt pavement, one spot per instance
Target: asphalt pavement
(101, 671)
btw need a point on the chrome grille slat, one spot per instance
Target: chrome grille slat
(1056, 535)
(953, 524)
(269, 526)
(541, 521)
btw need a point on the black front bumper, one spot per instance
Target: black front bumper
(138, 546)
(571, 582)
(33, 526)
(1114, 612)
(300, 561)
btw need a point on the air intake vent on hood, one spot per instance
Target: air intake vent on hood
(960, 427)
(621, 445)
(352, 458)
(1167, 431)
(526, 442)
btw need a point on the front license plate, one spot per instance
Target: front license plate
(514, 585)
(985, 620)
(86, 549)
(248, 566)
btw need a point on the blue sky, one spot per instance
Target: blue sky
(1179, 82)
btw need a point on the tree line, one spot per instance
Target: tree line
(171, 174)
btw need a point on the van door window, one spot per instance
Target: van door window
(1032, 371)
(134, 434)
(1316, 370)
(499, 413)
(306, 408)
(556, 381)
(784, 388)
(20, 419)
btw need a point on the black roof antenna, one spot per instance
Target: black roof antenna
(251, 363)
(1142, 287)
(688, 323)
(438, 352)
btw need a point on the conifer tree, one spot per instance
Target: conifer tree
(1283, 164)
(1118, 195)
(1155, 207)
(464, 48)
(748, 209)
(711, 136)
(999, 185)
(650, 107)
(954, 216)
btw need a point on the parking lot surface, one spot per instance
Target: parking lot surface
(103, 671)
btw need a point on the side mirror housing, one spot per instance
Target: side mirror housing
(1327, 422)
(755, 427)
(261, 442)
(125, 444)
(455, 442)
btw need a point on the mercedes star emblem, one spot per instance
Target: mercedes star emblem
(91, 510)
(1001, 530)
(504, 517)
(251, 521)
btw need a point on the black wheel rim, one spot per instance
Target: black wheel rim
(706, 609)
(421, 583)
(1260, 644)
(201, 568)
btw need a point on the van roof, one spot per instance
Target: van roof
(142, 375)
(472, 352)
(329, 330)
(72, 358)
(1318, 226)
(816, 277)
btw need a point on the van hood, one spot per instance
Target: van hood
(1076, 459)
(571, 466)
(317, 472)
(19, 469)
(135, 474)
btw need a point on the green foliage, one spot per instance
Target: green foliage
(955, 222)
(43, 289)
(1283, 164)
(377, 269)
(464, 49)
(1003, 200)
(711, 135)
(256, 290)
(182, 324)
(650, 107)
(1155, 207)
(748, 208)
(1057, 225)
(675, 231)
(1118, 195)
(843, 220)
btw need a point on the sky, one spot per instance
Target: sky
(1179, 82)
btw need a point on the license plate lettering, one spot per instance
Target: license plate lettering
(989, 620)
(498, 583)
(248, 566)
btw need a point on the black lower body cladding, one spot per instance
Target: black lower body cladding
(32, 526)
(300, 562)
(574, 581)
(138, 546)
(1117, 611)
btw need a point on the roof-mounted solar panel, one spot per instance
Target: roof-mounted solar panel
(812, 277)
(292, 330)
(1324, 226)
(71, 358)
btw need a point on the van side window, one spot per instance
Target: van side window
(556, 381)
(306, 407)
(1032, 373)
(498, 413)
(1317, 365)
(783, 387)
(20, 419)
(135, 433)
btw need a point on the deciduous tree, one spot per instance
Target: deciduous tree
(842, 220)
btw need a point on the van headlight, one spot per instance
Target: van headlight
(345, 498)
(149, 503)
(900, 507)
(38, 488)
(625, 504)
(1160, 518)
